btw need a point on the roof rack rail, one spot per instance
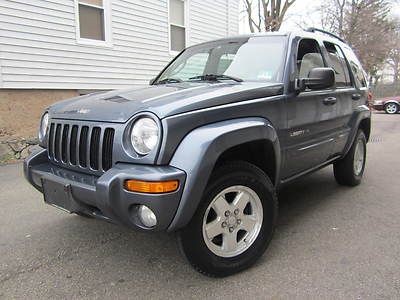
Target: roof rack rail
(313, 29)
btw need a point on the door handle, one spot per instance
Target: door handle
(356, 96)
(330, 101)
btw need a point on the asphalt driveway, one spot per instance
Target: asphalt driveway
(331, 242)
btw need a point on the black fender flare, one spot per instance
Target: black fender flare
(362, 113)
(200, 149)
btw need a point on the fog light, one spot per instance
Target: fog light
(146, 216)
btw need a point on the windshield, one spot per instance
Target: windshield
(247, 59)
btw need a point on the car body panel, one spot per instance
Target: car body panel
(361, 113)
(104, 197)
(162, 100)
(201, 148)
(199, 121)
(178, 126)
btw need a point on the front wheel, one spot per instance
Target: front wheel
(234, 223)
(350, 169)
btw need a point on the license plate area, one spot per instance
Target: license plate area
(59, 195)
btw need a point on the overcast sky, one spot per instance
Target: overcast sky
(300, 11)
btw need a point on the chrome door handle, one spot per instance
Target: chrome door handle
(330, 101)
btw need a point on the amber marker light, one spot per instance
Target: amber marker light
(151, 187)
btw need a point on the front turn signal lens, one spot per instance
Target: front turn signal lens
(151, 187)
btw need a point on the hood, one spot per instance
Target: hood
(163, 100)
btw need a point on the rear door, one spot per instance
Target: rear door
(343, 93)
(351, 90)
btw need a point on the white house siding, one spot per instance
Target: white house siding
(39, 49)
(211, 19)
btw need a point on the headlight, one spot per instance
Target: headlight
(144, 135)
(44, 123)
(378, 102)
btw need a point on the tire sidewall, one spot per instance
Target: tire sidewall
(197, 249)
(360, 136)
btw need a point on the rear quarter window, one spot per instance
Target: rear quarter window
(356, 68)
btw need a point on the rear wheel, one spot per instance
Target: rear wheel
(234, 223)
(391, 108)
(350, 169)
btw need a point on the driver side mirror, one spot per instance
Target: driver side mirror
(318, 79)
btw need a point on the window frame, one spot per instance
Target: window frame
(107, 25)
(213, 44)
(320, 48)
(185, 26)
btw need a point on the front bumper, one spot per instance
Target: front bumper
(104, 197)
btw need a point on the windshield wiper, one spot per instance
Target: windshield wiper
(169, 80)
(215, 77)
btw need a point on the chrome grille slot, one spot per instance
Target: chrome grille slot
(72, 145)
(57, 142)
(51, 142)
(81, 146)
(95, 148)
(64, 143)
(107, 148)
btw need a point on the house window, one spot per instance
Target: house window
(177, 25)
(92, 21)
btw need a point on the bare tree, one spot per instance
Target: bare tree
(365, 25)
(393, 59)
(266, 15)
(332, 15)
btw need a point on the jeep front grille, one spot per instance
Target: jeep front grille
(81, 146)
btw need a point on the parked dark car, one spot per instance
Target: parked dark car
(203, 149)
(390, 105)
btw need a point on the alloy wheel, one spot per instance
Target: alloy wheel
(232, 221)
(391, 108)
(359, 157)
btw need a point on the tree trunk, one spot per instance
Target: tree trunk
(270, 14)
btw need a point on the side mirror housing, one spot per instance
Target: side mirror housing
(318, 79)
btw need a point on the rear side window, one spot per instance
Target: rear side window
(356, 68)
(338, 63)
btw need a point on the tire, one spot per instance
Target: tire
(349, 170)
(391, 108)
(208, 256)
